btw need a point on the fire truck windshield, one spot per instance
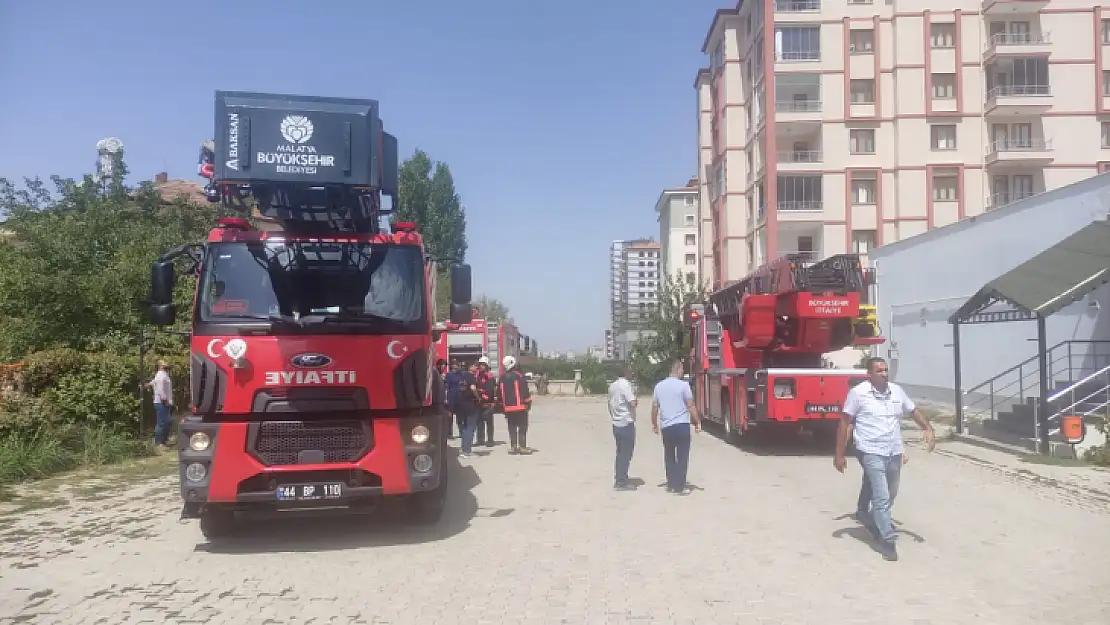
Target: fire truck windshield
(377, 287)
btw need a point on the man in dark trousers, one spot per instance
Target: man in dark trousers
(466, 409)
(451, 380)
(515, 401)
(487, 391)
(672, 414)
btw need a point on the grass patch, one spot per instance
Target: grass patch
(49, 451)
(1052, 461)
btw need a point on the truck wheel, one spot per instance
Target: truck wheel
(216, 523)
(426, 508)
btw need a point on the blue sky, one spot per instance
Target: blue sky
(561, 121)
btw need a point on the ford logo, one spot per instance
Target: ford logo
(310, 361)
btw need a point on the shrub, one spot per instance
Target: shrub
(42, 370)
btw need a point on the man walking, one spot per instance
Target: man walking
(873, 414)
(487, 390)
(516, 399)
(672, 413)
(622, 410)
(163, 404)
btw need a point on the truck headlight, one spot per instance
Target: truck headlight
(420, 435)
(199, 441)
(422, 463)
(196, 472)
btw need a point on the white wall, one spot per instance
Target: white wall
(923, 280)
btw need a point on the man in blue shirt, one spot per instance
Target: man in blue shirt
(672, 413)
(873, 413)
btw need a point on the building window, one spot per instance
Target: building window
(690, 259)
(944, 86)
(689, 220)
(690, 240)
(946, 185)
(1106, 82)
(1105, 135)
(805, 244)
(1105, 32)
(943, 136)
(798, 43)
(861, 41)
(863, 91)
(861, 141)
(942, 36)
(689, 200)
(863, 191)
(863, 241)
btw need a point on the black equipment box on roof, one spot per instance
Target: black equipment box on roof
(265, 137)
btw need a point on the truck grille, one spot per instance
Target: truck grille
(284, 442)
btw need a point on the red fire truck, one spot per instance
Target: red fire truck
(757, 346)
(468, 342)
(312, 350)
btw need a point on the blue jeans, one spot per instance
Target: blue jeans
(676, 454)
(881, 476)
(163, 414)
(468, 423)
(625, 436)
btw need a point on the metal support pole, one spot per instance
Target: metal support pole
(1042, 400)
(958, 387)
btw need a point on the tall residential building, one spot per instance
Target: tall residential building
(831, 126)
(634, 276)
(677, 213)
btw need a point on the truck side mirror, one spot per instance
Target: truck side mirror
(163, 314)
(461, 314)
(460, 287)
(162, 310)
(161, 283)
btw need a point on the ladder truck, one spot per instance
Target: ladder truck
(312, 334)
(492, 339)
(757, 345)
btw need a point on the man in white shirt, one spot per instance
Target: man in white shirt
(622, 410)
(873, 413)
(163, 404)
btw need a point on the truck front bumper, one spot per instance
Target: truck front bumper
(226, 471)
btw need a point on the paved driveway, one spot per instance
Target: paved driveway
(543, 539)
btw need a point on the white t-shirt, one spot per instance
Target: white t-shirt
(163, 388)
(621, 398)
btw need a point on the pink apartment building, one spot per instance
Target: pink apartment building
(831, 126)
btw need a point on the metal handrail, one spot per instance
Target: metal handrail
(1079, 383)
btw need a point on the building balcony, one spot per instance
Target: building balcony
(1023, 151)
(1019, 99)
(798, 111)
(1013, 7)
(998, 200)
(801, 206)
(1018, 44)
(798, 160)
(797, 6)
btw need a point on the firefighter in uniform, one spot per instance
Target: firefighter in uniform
(515, 401)
(487, 392)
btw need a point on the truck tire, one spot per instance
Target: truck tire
(216, 523)
(426, 508)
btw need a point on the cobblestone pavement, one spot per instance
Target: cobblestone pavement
(543, 539)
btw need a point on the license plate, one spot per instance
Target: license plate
(309, 492)
(822, 408)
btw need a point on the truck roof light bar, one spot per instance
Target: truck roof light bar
(235, 223)
(404, 226)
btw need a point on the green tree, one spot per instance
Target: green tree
(664, 336)
(492, 309)
(427, 197)
(76, 270)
